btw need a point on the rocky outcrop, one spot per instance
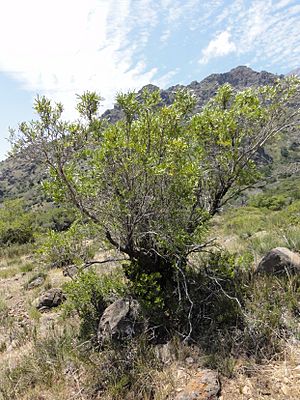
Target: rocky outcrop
(204, 385)
(35, 283)
(279, 260)
(121, 320)
(52, 298)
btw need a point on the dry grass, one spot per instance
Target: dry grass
(274, 381)
(40, 360)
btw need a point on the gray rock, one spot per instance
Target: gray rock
(35, 283)
(279, 260)
(121, 320)
(52, 298)
(204, 385)
(70, 271)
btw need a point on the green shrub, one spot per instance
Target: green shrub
(16, 224)
(73, 246)
(53, 218)
(271, 202)
(89, 294)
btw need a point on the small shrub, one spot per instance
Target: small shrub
(16, 224)
(28, 267)
(89, 293)
(59, 249)
(271, 202)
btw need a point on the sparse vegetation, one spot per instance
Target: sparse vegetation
(147, 193)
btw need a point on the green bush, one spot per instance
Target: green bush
(271, 202)
(89, 294)
(59, 249)
(16, 224)
(58, 219)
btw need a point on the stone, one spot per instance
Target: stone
(70, 271)
(52, 298)
(279, 260)
(165, 353)
(121, 320)
(35, 283)
(204, 385)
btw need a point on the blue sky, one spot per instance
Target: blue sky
(62, 47)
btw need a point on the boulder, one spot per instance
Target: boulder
(279, 260)
(121, 320)
(35, 283)
(70, 271)
(204, 385)
(52, 298)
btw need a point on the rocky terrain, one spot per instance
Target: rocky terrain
(247, 299)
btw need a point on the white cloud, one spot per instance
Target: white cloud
(218, 47)
(60, 48)
(264, 33)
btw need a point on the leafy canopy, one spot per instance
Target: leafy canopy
(151, 181)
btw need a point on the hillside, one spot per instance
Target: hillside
(21, 178)
(159, 292)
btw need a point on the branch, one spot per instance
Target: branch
(199, 247)
(89, 263)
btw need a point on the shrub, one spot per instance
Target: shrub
(59, 249)
(89, 294)
(58, 219)
(16, 224)
(271, 202)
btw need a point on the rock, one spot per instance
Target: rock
(35, 283)
(70, 271)
(278, 261)
(52, 298)
(165, 352)
(121, 320)
(205, 385)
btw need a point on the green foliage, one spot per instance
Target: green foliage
(145, 286)
(59, 249)
(89, 293)
(16, 224)
(152, 181)
(274, 203)
(53, 218)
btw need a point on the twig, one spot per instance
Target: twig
(89, 263)
(190, 301)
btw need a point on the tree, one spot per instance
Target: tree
(152, 181)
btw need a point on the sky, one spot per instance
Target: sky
(60, 48)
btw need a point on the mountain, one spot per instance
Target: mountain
(20, 178)
(240, 78)
(295, 71)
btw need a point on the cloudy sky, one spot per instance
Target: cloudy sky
(63, 47)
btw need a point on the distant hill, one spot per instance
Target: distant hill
(20, 178)
(295, 71)
(240, 77)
